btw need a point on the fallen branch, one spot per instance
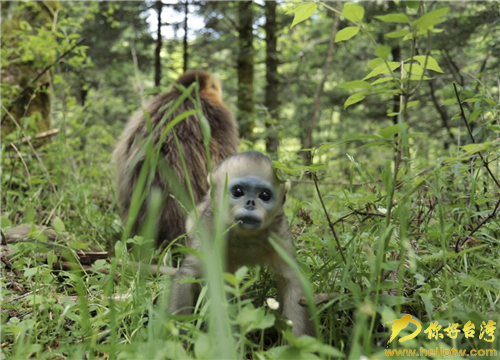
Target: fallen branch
(39, 136)
(20, 234)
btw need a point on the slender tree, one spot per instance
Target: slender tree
(158, 8)
(246, 105)
(272, 100)
(307, 139)
(185, 41)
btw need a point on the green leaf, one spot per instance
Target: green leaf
(474, 148)
(297, 169)
(428, 20)
(373, 63)
(415, 69)
(490, 102)
(413, 4)
(326, 146)
(471, 100)
(346, 33)
(450, 101)
(492, 127)
(5, 222)
(58, 225)
(432, 64)
(382, 51)
(202, 347)
(412, 103)
(394, 18)
(357, 84)
(355, 98)
(390, 131)
(28, 272)
(353, 12)
(383, 69)
(303, 12)
(397, 33)
(383, 80)
(241, 273)
(363, 137)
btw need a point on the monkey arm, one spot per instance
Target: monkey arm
(183, 295)
(289, 287)
(289, 294)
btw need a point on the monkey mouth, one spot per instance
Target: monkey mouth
(248, 222)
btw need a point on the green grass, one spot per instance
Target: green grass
(391, 249)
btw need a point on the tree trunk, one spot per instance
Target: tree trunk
(272, 101)
(185, 42)
(246, 108)
(396, 56)
(307, 140)
(158, 7)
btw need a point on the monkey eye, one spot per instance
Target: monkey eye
(265, 195)
(237, 191)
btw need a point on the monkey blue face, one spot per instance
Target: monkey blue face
(252, 200)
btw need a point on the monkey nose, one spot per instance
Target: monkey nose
(250, 204)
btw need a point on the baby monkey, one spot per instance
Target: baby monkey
(255, 211)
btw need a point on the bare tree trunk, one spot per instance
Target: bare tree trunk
(158, 7)
(307, 140)
(185, 42)
(246, 106)
(396, 56)
(272, 101)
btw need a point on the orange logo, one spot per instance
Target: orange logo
(400, 324)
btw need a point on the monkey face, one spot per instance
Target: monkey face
(252, 202)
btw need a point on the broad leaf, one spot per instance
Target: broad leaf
(432, 64)
(357, 84)
(391, 130)
(346, 33)
(397, 33)
(415, 69)
(355, 98)
(412, 103)
(394, 18)
(303, 12)
(353, 12)
(382, 69)
(383, 80)
(428, 20)
(373, 63)
(382, 51)
(5, 222)
(475, 114)
(413, 4)
(58, 225)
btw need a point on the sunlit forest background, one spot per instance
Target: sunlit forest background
(384, 114)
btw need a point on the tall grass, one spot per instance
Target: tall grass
(398, 261)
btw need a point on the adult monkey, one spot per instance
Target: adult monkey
(255, 211)
(129, 155)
